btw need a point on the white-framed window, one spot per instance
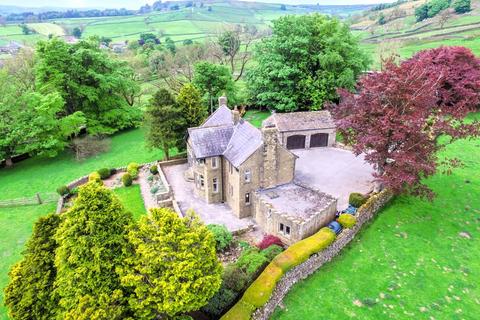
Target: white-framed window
(247, 198)
(200, 161)
(215, 185)
(248, 176)
(202, 182)
(214, 163)
(284, 229)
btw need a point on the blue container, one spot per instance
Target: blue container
(335, 227)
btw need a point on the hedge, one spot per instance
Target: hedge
(347, 220)
(357, 199)
(261, 289)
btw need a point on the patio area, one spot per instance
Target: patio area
(334, 171)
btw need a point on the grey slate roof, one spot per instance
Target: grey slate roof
(222, 116)
(218, 135)
(246, 139)
(210, 141)
(296, 121)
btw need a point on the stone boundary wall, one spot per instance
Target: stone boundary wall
(302, 271)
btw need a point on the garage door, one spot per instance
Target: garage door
(319, 140)
(296, 142)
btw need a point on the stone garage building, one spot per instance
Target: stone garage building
(304, 130)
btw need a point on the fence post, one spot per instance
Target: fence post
(38, 198)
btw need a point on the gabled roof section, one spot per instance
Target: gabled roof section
(221, 117)
(210, 141)
(246, 139)
(295, 121)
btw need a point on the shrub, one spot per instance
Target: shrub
(113, 171)
(127, 180)
(220, 302)
(132, 169)
(94, 176)
(347, 220)
(272, 251)
(154, 190)
(63, 190)
(251, 260)
(357, 199)
(74, 191)
(154, 169)
(261, 289)
(462, 6)
(269, 240)
(235, 278)
(240, 311)
(150, 178)
(104, 173)
(222, 236)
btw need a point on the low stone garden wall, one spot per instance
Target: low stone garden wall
(302, 271)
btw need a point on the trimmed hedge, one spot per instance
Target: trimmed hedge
(357, 199)
(104, 173)
(127, 180)
(154, 169)
(347, 220)
(132, 169)
(94, 176)
(261, 289)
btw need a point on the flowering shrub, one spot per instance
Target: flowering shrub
(269, 240)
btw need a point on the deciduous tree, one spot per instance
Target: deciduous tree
(89, 81)
(400, 113)
(29, 292)
(462, 6)
(303, 63)
(165, 123)
(92, 246)
(174, 269)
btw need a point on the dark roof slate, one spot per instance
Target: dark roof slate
(210, 141)
(296, 121)
(222, 116)
(246, 139)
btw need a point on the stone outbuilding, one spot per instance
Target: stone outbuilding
(304, 130)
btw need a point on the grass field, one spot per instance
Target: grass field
(417, 260)
(45, 175)
(131, 198)
(47, 29)
(256, 117)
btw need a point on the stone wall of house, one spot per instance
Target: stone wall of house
(302, 271)
(252, 165)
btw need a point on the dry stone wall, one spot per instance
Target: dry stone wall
(302, 271)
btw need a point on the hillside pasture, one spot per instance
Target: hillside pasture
(47, 28)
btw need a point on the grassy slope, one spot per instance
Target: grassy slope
(33, 175)
(131, 198)
(411, 262)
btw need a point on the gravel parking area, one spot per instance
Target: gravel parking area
(216, 213)
(334, 171)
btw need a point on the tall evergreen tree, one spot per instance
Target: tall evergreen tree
(190, 102)
(29, 292)
(174, 269)
(92, 246)
(165, 123)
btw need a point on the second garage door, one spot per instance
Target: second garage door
(296, 142)
(319, 140)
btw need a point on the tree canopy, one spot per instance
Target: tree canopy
(403, 115)
(174, 268)
(29, 292)
(190, 102)
(89, 81)
(303, 63)
(92, 246)
(165, 123)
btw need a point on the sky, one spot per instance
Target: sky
(135, 4)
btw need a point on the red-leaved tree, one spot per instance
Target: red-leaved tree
(398, 115)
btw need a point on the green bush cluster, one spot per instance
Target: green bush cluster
(347, 220)
(431, 9)
(132, 169)
(63, 190)
(104, 173)
(154, 169)
(357, 199)
(127, 179)
(261, 289)
(223, 237)
(94, 176)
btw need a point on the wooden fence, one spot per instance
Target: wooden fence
(39, 198)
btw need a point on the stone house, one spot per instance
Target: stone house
(231, 161)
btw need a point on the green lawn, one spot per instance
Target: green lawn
(131, 198)
(256, 117)
(412, 262)
(45, 175)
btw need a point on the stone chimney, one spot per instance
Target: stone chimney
(270, 158)
(235, 115)
(222, 101)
